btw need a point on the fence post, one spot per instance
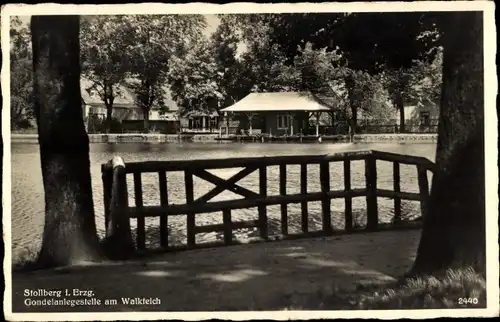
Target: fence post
(141, 224)
(303, 191)
(118, 243)
(284, 206)
(188, 181)
(423, 185)
(371, 192)
(347, 199)
(263, 194)
(397, 189)
(162, 178)
(324, 176)
(107, 184)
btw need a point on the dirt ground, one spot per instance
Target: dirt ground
(246, 277)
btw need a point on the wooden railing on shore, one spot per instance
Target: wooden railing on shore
(118, 212)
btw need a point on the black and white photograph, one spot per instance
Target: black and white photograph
(250, 161)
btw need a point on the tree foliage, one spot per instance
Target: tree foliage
(21, 73)
(366, 40)
(104, 59)
(263, 62)
(325, 73)
(428, 82)
(194, 79)
(234, 77)
(418, 85)
(379, 108)
(152, 40)
(19, 39)
(317, 68)
(264, 66)
(247, 61)
(266, 61)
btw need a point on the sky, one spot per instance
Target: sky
(212, 23)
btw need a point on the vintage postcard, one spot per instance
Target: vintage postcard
(250, 161)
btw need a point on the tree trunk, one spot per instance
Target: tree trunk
(146, 120)
(354, 120)
(109, 100)
(350, 85)
(401, 108)
(454, 229)
(69, 234)
(109, 117)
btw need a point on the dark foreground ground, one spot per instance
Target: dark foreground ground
(269, 276)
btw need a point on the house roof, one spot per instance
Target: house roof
(125, 99)
(277, 101)
(91, 97)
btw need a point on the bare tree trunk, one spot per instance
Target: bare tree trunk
(401, 108)
(353, 103)
(146, 120)
(70, 232)
(454, 229)
(109, 117)
(110, 99)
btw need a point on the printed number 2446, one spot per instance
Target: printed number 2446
(467, 300)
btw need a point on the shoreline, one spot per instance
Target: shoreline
(175, 138)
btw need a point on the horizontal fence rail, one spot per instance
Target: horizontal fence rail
(119, 210)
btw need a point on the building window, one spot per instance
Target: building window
(283, 121)
(425, 119)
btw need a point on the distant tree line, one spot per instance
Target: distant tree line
(329, 54)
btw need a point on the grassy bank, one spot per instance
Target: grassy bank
(433, 292)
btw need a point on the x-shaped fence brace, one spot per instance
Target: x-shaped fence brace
(225, 184)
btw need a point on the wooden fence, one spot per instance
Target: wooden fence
(118, 213)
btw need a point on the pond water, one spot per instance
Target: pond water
(28, 197)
